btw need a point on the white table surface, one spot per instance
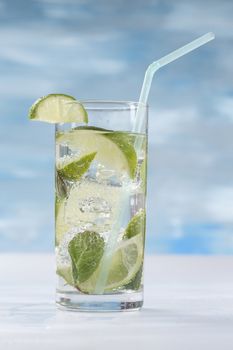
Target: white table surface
(188, 305)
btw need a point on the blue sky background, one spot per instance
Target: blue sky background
(100, 50)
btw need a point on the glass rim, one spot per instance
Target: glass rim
(110, 105)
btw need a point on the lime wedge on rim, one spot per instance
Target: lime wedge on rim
(114, 149)
(58, 108)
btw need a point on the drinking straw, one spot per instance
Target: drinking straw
(153, 67)
(163, 61)
(111, 243)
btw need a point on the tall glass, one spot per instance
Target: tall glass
(100, 208)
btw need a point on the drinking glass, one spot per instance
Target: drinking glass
(100, 208)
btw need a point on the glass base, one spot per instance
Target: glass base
(72, 301)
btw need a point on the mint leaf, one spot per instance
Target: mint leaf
(136, 225)
(76, 169)
(86, 250)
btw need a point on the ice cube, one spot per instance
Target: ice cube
(95, 205)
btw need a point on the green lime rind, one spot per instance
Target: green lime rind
(136, 282)
(56, 206)
(143, 174)
(61, 188)
(75, 169)
(58, 108)
(91, 127)
(115, 149)
(124, 142)
(136, 225)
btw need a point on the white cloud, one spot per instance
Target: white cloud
(21, 55)
(21, 86)
(24, 173)
(223, 241)
(42, 47)
(101, 66)
(165, 123)
(2, 8)
(23, 223)
(201, 18)
(225, 107)
(54, 58)
(219, 204)
(68, 11)
(54, 2)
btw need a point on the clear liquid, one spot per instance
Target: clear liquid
(92, 203)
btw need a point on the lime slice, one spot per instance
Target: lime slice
(88, 203)
(143, 174)
(114, 149)
(135, 227)
(136, 282)
(61, 225)
(65, 272)
(125, 264)
(71, 171)
(74, 170)
(58, 108)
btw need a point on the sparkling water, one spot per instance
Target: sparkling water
(91, 203)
